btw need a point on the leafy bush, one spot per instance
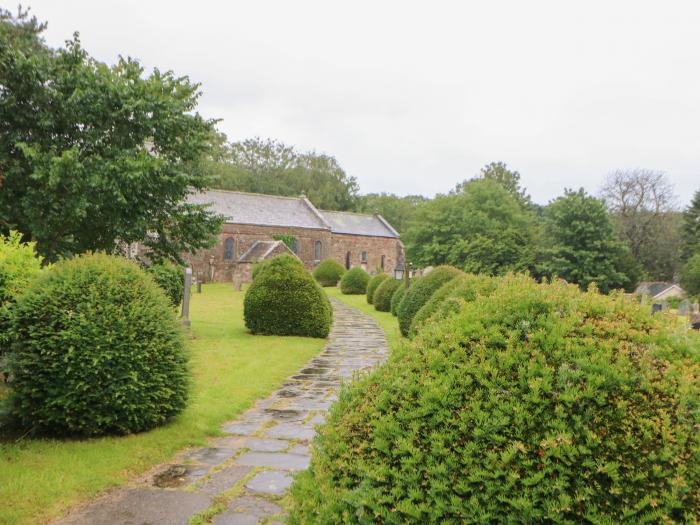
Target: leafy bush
(396, 299)
(419, 294)
(96, 349)
(285, 300)
(384, 293)
(260, 266)
(450, 296)
(373, 284)
(690, 276)
(328, 272)
(354, 281)
(170, 279)
(19, 264)
(537, 404)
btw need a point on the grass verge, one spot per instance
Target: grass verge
(41, 478)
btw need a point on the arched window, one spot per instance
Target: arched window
(228, 249)
(317, 250)
(347, 261)
(383, 258)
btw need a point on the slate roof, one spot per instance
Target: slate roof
(266, 210)
(272, 210)
(653, 288)
(359, 224)
(261, 249)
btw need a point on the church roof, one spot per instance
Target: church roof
(273, 210)
(359, 224)
(260, 250)
(255, 208)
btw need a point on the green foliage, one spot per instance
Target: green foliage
(354, 281)
(288, 240)
(285, 300)
(398, 211)
(260, 266)
(690, 276)
(535, 404)
(384, 293)
(19, 264)
(269, 166)
(328, 272)
(397, 298)
(170, 279)
(449, 298)
(481, 228)
(691, 228)
(508, 179)
(373, 284)
(96, 349)
(420, 292)
(581, 245)
(91, 154)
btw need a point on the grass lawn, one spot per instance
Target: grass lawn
(41, 478)
(385, 320)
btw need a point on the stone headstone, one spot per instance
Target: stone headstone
(684, 307)
(656, 307)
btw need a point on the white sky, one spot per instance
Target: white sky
(415, 97)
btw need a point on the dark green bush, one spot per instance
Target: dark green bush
(354, 281)
(260, 266)
(170, 279)
(328, 272)
(450, 296)
(536, 404)
(384, 293)
(373, 284)
(421, 291)
(396, 299)
(285, 300)
(96, 349)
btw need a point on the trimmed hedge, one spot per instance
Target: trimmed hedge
(536, 404)
(260, 266)
(449, 298)
(354, 281)
(96, 349)
(170, 279)
(328, 272)
(373, 284)
(384, 293)
(284, 299)
(397, 298)
(419, 294)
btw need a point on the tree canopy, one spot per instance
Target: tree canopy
(92, 154)
(581, 246)
(691, 228)
(399, 211)
(480, 227)
(508, 179)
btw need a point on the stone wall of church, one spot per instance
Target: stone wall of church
(367, 252)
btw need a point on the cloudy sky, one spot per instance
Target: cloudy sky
(415, 97)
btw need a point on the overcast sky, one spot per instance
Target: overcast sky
(415, 97)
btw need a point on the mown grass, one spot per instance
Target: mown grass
(385, 320)
(41, 478)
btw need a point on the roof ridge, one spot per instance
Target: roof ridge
(288, 197)
(350, 212)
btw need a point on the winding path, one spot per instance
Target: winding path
(239, 479)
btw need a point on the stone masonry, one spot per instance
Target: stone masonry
(241, 478)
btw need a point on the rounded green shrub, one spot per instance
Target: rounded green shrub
(170, 279)
(384, 293)
(260, 266)
(450, 296)
(285, 300)
(354, 281)
(373, 284)
(96, 349)
(397, 298)
(535, 404)
(419, 294)
(328, 272)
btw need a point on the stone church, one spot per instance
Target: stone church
(253, 222)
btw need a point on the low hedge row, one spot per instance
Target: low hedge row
(533, 404)
(373, 284)
(384, 293)
(396, 300)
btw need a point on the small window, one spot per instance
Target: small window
(347, 261)
(383, 261)
(228, 249)
(364, 257)
(295, 245)
(317, 250)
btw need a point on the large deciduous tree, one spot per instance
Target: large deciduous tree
(507, 178)
(399, 211)
(691, 228)
(91, 154)
(481, 228)
(269, 166)
(642, 204)
(581, 246)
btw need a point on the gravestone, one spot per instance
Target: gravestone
(684, 307)
(656, 307)
(186, 298)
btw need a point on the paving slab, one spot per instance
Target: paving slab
(223, 480)
(278, 460)
(270, 482)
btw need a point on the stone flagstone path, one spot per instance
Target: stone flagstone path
(239, 479)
